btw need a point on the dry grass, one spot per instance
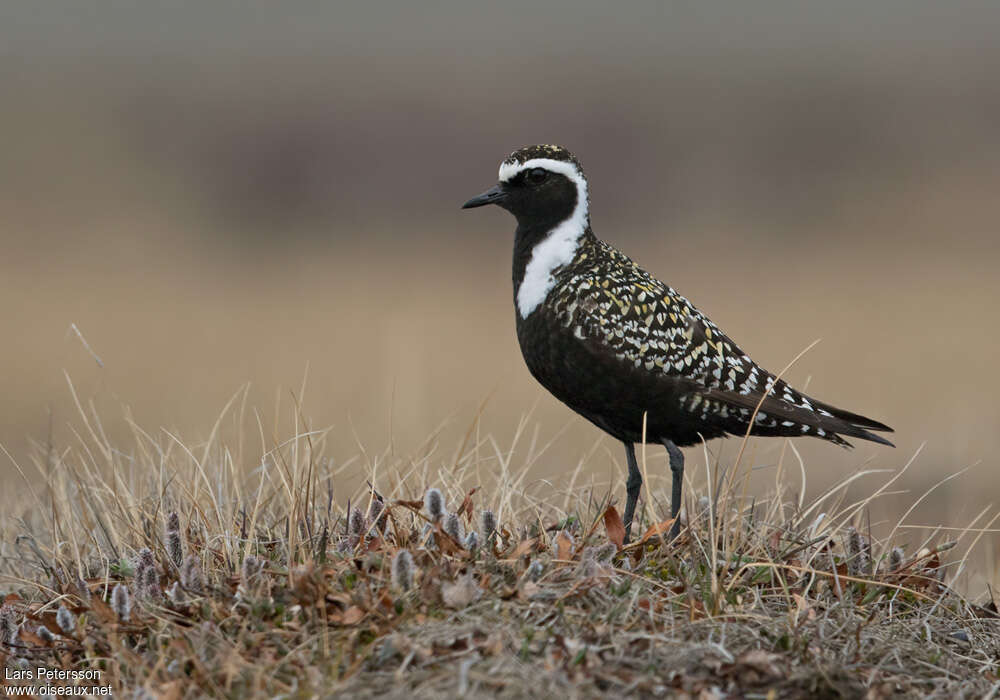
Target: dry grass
(273, 582)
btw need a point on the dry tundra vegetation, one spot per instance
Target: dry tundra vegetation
(177, 573)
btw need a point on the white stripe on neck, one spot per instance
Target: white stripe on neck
(558, 247)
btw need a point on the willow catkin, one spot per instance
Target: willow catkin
(175, 547)
(65, 619)
(121, 602)
(434, 504)
(402, 570)
(191, 576)
(454, 528)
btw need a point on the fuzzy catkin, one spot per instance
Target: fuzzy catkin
(402, 570)
(535, 570)
(489, 525)
(191, 577)
(704, 512)
(175, 547)
(857, 563)
(589, 568)
(144, 564)
(605, 552)
(251, 570)
(376, 514)
(866, 554)
(453, 526)
(8, 625)
(427, 536)
(249, 567)
(82, 590)
(121, 602)
(150, 584)
(144, 559)
(472, 541)
(896, 559)
(434, 503)
(356, 524)
(65, 619)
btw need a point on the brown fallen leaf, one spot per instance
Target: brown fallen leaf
(385, 602)
(102, 611)
(524, 547)
(352, 616)
(341, 598)
(656, 530)
(614, 526)
(564, 546)
(46, 619)
(28, 635)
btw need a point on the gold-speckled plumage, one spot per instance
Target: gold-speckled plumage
(604, 296)
(623, 349)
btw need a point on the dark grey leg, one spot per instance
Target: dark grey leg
(632, 487)
(677, 473)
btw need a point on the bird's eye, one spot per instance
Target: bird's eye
(537, 175)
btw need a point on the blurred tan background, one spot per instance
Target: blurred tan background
(235, 194)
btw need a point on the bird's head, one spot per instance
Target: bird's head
(539, 185)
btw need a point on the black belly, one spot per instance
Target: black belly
(610, 393)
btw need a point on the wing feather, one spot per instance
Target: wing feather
(647, 325)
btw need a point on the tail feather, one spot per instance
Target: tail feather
(852, 418)
(855, 431)
(791, 419)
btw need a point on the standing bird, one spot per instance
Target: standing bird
(614, 343)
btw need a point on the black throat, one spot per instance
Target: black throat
(533, 227)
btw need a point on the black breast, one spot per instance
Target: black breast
(608, 392)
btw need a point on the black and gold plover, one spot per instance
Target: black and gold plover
(614, 343)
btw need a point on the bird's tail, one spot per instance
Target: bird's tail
(802, 415)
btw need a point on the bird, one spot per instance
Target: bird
(625, 350)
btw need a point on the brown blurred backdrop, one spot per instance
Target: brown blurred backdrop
(236, 193)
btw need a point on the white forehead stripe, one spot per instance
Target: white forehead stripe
(559, 247)
(509, 170)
